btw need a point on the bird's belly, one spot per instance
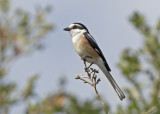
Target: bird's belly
(84, 55)
(84, 49)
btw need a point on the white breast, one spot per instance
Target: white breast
(76, 40)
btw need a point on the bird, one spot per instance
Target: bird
(87, 48)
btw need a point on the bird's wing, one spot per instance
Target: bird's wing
(95, 46)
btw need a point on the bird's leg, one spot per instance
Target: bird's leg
(84, 60)
(86, 68)
(90, 65)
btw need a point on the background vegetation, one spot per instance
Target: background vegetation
(21, 34)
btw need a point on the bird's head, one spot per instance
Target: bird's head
(76, 28)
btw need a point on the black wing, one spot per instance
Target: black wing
(95, 46)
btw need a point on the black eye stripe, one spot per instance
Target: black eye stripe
(77, 27)
(80, 28)
(83, 27)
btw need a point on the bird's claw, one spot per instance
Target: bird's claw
(86, 69)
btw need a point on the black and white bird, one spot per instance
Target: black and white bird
(87, 48)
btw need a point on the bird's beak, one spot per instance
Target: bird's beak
(67, 29)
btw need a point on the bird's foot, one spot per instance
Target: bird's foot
(86, 69)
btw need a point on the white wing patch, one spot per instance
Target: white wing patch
(92, 38)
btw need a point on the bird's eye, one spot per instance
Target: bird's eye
(75, 27)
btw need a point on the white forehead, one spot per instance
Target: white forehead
(71, 26)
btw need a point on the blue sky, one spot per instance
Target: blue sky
(108, 23)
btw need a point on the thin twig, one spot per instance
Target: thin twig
(91, 75)
(152, 110)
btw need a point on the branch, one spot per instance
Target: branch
(93, 81)
(152, 110)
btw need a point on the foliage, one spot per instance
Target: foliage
(141, 69)
(61, 101)
(20, 33)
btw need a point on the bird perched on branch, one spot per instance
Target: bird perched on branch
(89, 51)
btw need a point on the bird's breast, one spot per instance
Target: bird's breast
(83, 48)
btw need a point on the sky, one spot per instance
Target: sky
(107, 21)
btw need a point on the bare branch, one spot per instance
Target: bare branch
(93, 81)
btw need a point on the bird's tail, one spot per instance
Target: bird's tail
(112, 81)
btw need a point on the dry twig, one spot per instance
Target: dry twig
(93, 81)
